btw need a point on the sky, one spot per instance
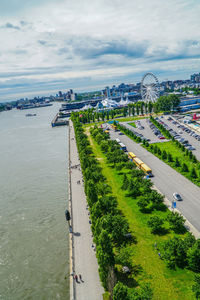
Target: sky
(52, 45)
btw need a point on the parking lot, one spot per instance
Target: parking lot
(183, 134)
(145, 131)
(167, 180)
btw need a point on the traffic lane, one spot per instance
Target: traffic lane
(168, 181)
(147, 133)
(192, 141)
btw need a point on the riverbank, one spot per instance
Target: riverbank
(82, 253)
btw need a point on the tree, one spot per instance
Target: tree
(125, 182)
(175, 251)
(177, 163)
(164, 155)
(124, 257)
(124, 111)
(155, 223)
(169, 157)
(105, 257)
(144, 292)
(150, 107)
(133, 110)
(120, 292)
(175, 101)
(142, 108)
(143, 203)
(137, 108)
(104, 146)
(118, 228)
(193, 173)
(196, 286)
(176, 222)
(193, 256)
(91, 192)
(184, 167)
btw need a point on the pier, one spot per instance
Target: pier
(59, 120)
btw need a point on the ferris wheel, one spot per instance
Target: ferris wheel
(150, 88)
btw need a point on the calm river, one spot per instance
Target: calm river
(33, 198)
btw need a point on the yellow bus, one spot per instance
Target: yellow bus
(138, 162)
(146, 170)
(131, 155)
(114, 127)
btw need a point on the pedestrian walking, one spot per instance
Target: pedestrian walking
(80, 277)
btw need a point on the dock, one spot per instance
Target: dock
(59, 120)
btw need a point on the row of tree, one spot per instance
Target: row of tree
(164, 103)
(110, 228)
(123, 252)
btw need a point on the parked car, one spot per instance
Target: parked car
(177, 197)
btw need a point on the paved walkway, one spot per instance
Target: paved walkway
(85, 262)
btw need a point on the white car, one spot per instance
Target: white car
(177, 197)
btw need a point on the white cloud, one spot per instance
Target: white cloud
(51, 40)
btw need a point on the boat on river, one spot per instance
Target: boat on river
(31, 115)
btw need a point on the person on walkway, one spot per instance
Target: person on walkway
(80, 277)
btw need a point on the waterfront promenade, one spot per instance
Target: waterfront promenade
(84, 258)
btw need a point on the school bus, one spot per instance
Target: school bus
(114, 127)
(146, 170)
(141, 165)
(138, 162)
(131, 156)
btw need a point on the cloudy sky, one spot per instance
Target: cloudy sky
(51, 45)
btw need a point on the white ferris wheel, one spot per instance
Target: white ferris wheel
(150, 89)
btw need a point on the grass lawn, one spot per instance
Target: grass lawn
(177, 152)
(127, 119)
(132, 124)
(166, 283)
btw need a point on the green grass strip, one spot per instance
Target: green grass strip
(167, 284)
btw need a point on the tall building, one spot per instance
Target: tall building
(107, 91)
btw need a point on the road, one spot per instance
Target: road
(168, 181)
(85, 262)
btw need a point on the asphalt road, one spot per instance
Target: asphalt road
(192, 141)
(168, 181)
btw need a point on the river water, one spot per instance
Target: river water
(33, 198)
